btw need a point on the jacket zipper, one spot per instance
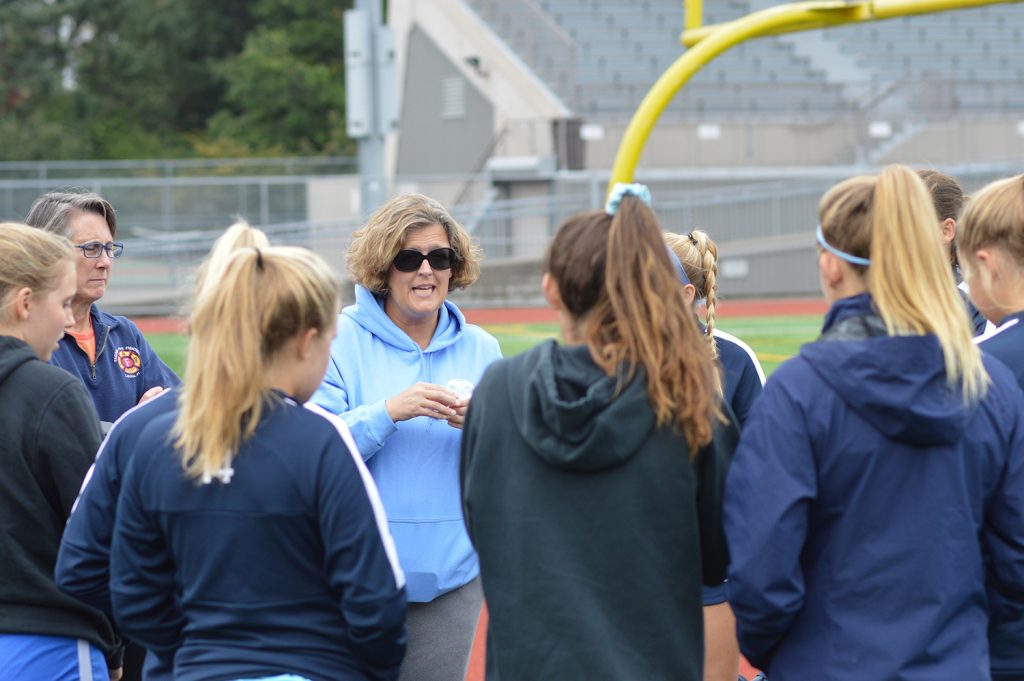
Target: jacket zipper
(99, 351)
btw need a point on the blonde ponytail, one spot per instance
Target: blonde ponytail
(237, 236)
(891, 220)
(261, 300)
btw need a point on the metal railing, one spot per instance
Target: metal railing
(732, 205)
(178, 167)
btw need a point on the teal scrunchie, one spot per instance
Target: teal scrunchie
(622, 189)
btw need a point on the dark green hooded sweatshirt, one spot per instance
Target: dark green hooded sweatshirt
(593, 527)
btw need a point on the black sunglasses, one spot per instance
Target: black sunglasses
(410, 261)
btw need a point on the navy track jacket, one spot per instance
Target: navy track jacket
(83, 564)
(282, 563)
(858, 508)
(1006, 637)
(743, 378)
(126, 366)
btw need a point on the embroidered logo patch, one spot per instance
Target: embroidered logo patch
(129, 360)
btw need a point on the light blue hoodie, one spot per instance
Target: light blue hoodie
(415, 463)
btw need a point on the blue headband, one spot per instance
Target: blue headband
(852, 259)
(680, 272)
(622, 189)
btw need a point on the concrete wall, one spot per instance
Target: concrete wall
(679, 145)
(472, 50)
(765, 268)
(960, 141)
(446, 123)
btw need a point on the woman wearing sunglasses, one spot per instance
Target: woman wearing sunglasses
(396, 350)
(107, 353)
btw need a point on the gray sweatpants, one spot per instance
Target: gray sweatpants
(441, 635)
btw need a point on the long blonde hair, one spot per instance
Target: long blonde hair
(699, 257)
(30, 258)
(615, 279)
(239, 235)
(262, 299)
(890, 219)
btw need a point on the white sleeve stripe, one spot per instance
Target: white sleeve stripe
(371, 490)
(746, 348)
(103, 446)
(995, 330)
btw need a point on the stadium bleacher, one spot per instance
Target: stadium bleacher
(619, 48)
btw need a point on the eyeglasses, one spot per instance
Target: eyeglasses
(410, 261)
(92, 249)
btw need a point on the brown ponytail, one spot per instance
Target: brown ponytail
(615, 279)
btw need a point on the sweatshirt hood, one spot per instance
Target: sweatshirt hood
(567, 408)
(368, 312)
(896, 383)
(13, 353)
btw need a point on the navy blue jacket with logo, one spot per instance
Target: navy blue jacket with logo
(859, 507)
(126, 366)
(1006, 635)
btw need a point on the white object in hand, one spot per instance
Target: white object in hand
(461, 387)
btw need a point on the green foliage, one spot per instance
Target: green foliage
(157, 78)
(265, 82)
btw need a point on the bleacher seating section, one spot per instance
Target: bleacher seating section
(611, 52)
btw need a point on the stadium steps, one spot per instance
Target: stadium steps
(826, 58)
(961, 60)
(621, 47)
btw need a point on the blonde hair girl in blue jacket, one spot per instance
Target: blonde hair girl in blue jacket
(880, 475)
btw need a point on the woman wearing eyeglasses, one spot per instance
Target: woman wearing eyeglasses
(396, 350)
(107, 353)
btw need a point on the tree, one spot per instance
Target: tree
(285, 90)
(152, 78)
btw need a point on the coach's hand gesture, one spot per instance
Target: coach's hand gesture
(422, 399)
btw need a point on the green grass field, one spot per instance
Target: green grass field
(774, 339)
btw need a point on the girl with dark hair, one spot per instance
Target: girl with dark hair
(591, 471)
(948, 197)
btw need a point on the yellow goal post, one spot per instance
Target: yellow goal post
(707, 42)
